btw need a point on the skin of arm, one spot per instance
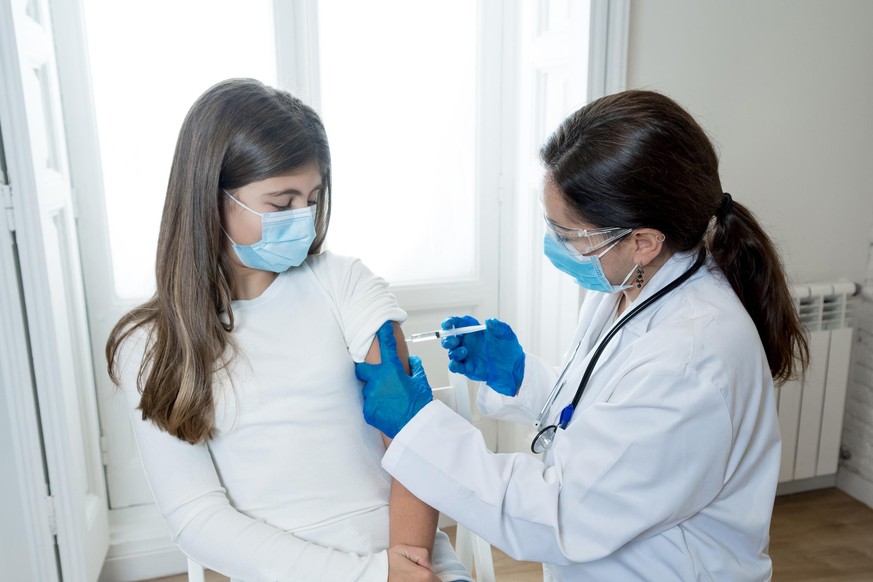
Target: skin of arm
(411, 521)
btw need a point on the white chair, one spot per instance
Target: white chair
(470, 548)
(195, 572)
(472, 551)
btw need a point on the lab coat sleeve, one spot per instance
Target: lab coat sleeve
(539, 378)
(650, 457)
(205, 526)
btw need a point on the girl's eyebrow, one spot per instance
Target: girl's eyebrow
(291, 191)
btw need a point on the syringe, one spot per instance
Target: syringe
(440, 333)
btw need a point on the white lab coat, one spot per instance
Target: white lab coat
(667, 470)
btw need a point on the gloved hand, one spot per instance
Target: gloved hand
(493, 356)
(391, 397)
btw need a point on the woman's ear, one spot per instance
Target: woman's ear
(648, 244)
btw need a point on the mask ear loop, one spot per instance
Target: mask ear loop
(610, 247)
(632, 271)
(221, 226)
(660, 238)
(240, 202)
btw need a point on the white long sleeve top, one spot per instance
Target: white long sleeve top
(667, 470)
(290, 487)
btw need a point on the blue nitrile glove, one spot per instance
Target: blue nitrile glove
(493, 356)
(391, 397)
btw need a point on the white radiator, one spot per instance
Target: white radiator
(811, 410)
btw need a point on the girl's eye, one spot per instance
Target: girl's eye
(312, 202)
(281, 207)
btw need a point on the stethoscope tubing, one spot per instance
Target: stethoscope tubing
(559, 384)
(567, 413)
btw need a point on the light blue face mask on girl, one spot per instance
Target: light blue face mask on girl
(285, 239)
(587, 271)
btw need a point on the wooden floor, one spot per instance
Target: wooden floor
(815, 537)
(821, 535)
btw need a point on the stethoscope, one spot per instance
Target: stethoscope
(545, 437)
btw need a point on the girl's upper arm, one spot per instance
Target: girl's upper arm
(374, 356)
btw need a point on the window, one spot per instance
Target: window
(398, 97)
(434, 110)
(415, 151)
(149, 62)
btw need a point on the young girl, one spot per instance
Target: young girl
(240, 369)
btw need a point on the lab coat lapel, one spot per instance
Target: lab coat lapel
(592, 320)
(601, 309)
(674, 267)
(593, 388)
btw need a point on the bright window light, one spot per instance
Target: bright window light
(398, 97)
(149, 63)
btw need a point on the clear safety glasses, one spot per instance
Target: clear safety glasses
(584, 241)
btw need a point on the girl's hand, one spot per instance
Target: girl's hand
(409, 563)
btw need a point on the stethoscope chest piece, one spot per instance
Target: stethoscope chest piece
(544, 439)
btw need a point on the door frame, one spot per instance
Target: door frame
(27, 536)
(43, 430)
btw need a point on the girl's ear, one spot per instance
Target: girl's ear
(648, 244)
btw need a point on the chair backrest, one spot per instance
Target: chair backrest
(472, 551)
(456, 395)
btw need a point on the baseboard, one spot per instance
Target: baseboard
(811, 484)
(144, 566)
(856, 486)
(140, 547)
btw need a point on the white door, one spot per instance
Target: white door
(48, 253)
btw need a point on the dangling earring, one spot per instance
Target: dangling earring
(639, 280)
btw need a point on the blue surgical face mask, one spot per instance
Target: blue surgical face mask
(285, 239)
(587, 271)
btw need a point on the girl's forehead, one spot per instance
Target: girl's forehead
(299, 181)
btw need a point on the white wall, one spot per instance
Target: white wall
(785, 89)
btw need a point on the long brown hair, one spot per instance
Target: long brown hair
(239, 131)
(637, 159)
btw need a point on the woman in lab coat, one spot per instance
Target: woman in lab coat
(662, 452)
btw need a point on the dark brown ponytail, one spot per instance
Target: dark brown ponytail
(747, 257)
(637, 159)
